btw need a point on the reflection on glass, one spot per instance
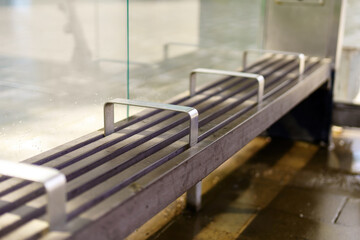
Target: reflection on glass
(60, 61)
(170, 38)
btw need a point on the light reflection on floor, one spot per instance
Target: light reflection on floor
(347, 148)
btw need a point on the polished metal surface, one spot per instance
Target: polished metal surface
(300, 56)
(259, 78)
(312, 29)
(53, 181)
(192, 112)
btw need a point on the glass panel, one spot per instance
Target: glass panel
(169, 38)
(60, 61)
(347, 85)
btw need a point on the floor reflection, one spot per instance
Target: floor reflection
(347, 148)
(284, 190)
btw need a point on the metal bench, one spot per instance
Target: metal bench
(120, 176)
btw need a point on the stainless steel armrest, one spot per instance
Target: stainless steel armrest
(192, 112)
(54, 182)
(260, 79)
(300, 56)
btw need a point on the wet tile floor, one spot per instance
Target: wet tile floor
(274, 189)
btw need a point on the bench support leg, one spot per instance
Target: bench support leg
(193, 199)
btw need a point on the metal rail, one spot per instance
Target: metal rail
(192, 112)
(53, 181)
(260, 79)
(300, 56)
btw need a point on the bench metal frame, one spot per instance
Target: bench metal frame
(53, 181)
(300, 56)
(259, 78)
(193, 114)
(184, 171)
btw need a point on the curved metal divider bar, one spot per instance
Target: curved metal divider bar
(300, 56)
(259, 78)
(54, 182)
(192, 112)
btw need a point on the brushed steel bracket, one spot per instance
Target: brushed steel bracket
(54, 182)
(260, 79)
(300, 56)
(192, 113)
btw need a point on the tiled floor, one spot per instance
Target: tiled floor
(279, 190)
